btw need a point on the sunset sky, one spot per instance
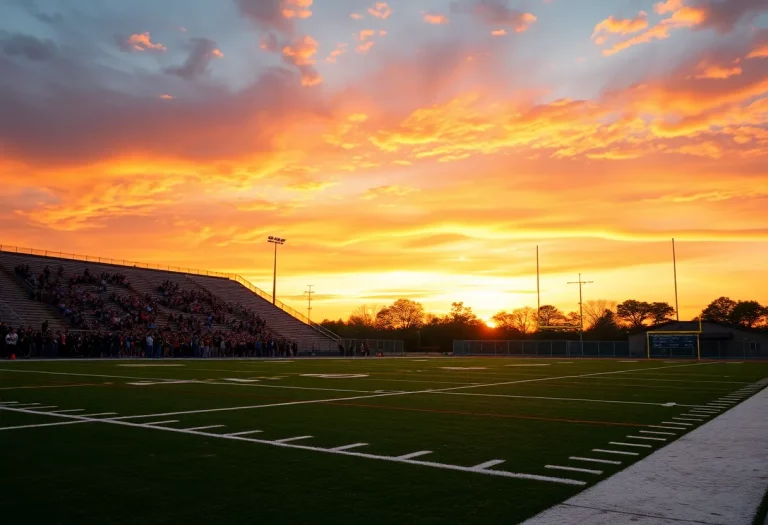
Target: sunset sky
(411, 148)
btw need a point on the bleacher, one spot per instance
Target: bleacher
(18, 309)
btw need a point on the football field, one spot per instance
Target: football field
(408, 440)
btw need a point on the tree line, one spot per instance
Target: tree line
(603, 320)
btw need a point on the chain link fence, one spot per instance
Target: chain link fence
(353, 347)
(542, 348)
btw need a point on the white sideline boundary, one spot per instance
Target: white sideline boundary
(595, 460)
(59, 423)
(715, 474)
(406, 459)
(574, 469)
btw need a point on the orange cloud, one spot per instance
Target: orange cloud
(759, 52)
(166, 96)
(621, 26)
(365, 34)
(297, 8)
(380, 10)
(499, 32)
(340, 49)
(356, 16)
(301, 51)
(142, 42)
(435, 19)
(716, 71)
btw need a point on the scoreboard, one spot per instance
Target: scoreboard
(679, 345)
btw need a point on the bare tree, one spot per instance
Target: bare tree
(401, 315)
(550, 316)
(364, 316)
(594, 311)
(521, 320)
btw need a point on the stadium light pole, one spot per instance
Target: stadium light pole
(276, 241)
(581, 311)
(674, 269)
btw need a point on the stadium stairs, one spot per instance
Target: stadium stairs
(17, 308)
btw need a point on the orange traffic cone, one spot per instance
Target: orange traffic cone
(13, 357)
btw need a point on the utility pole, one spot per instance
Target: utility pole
(309, 293)
(538, 290)
(581, 311)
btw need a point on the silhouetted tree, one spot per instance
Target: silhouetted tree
(522, 320)
(550, 316)
(403, 314)
(719, 310)
(748, 313)
(634, 312)
(660, 312)
(594, 310)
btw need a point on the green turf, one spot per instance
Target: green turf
(528, 416)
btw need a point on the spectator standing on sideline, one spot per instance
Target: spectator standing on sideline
(150, 346)
(11, 340)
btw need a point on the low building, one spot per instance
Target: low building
(714, 340)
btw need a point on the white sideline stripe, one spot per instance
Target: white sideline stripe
(245, 433)
(415, 454)
(46, 406)
(68, 411)
(25, 405)
(678, 423)
(563, 399)
(45, 425)
(9, 402)
(705, 410)
(574, 469)
(288, 440)
(488, 464)
(593, 460)
(205, 427)
(347, 447)
(668, 428)
(444, 466)
(388, 394)
(647, 438)
(654, 432)
(622, 452)
(698, 419)
(636, 445)
(153, 423)
(99, 414)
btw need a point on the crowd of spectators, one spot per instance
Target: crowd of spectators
(111, 324)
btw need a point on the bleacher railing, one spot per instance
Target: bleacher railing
(175, 269)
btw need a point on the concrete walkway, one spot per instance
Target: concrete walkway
(715, 475)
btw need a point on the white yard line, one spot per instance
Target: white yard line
(620, 452)
(45, 407)
(153, 423)
(697, 419)
(415, 454)
(99, 414)
(659, 433)
(622, 444)
(574, 469)
(595, 460)
(205, 427)
(60, 423)
(488, 464)
(245, 433)
(347, 447)
(69, 410)
(648, 438)
(668, 427)
(394, 459)
(288, 440)
(677, 423)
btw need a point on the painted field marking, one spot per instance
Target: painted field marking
(165, 382)
(335, 376)
(99, 414)
(205, 427)
(60, 423)
(647, 438)
(629, 361)
(25, 405)
(388, 394)
(9, 402)
(636, 445)
(621, 452)
(415, 454)
(245, 433)
(562, 399)
(677, 423)
(466, 367)
(38, 387)
(444, 466)
(153, 423)
(574, 469)
(595, 460)
(667, 427)
(68, 411)
(237, 380)
(654, 432)
(531, 364)
(347, 447)
(149, 365)
(288, 440)
(488, 464)
(697, 419)
(44, 407)
(706, 410)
